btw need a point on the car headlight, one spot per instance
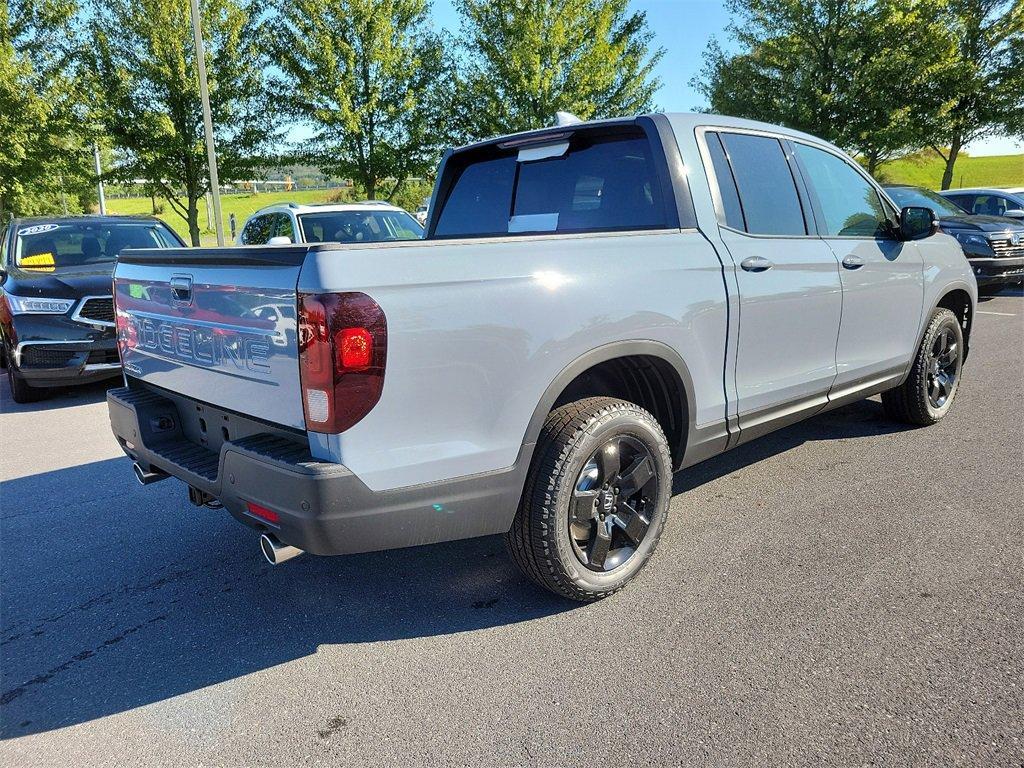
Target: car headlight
(29, 305)
(974, 243)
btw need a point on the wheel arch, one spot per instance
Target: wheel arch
(648, 373)
(957, 300)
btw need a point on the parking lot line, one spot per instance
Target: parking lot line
(1001, 314)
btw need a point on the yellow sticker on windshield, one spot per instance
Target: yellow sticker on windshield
(40, 262)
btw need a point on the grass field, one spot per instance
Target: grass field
(241, 205)
(924, 170)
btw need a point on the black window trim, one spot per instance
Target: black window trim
(667, 165)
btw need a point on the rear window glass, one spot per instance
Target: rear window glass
(600, 183)
(767, 191)
(359, 226)
(52, 246)
(480, 201)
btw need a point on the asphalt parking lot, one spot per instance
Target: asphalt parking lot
(843, 592)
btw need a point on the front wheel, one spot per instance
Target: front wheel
(20, 391)
(596, 499)
(927, 394)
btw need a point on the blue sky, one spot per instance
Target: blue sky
(683, 28)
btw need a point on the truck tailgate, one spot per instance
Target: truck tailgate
(216, 325)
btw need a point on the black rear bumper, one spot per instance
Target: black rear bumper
(322, 507)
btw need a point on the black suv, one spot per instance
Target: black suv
(56, 312)
(994, 245)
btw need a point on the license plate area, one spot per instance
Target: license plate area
(210, 427)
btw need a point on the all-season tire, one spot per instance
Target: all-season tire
(572, 475)
(20, 391)
(928, 393)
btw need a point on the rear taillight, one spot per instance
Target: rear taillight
(343, 344)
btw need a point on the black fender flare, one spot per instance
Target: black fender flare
(602, 354)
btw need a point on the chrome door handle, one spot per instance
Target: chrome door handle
(756, 264)
(853, 262)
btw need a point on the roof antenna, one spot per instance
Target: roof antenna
(566, 118)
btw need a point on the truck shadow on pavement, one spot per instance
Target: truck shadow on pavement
(117, 597)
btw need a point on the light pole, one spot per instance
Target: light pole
(204, 92)
(99, 177)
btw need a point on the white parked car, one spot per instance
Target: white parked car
(367, 222)
(423, 211)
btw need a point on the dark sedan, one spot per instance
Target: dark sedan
(56, 311)
(994, 245)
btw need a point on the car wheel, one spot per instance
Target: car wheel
(596, 499)
(927, 394)
(20, 391)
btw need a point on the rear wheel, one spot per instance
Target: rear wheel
(595, 501)
(927, 394)
(20, 391)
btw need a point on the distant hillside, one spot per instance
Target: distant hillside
(925, 170)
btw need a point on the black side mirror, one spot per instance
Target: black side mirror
(917, 222)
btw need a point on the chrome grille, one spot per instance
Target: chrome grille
(96, 309)
(1005, 248)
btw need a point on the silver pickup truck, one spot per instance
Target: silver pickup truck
(594, 307)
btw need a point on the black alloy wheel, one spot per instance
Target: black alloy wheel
(612, 502)
(943, 367)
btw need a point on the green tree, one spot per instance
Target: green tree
(524, 60)
(370, 78)
(45, 161)
(860, 73)
(985, 82)
(148, 86)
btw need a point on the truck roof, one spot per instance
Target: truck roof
(681, 121)
(77, 218)
(326, 207)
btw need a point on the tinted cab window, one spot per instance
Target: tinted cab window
(590, 182)
(762, 181)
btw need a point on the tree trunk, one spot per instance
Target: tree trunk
(954, 152)
(371, 187)
(872, 163)
(193, 221)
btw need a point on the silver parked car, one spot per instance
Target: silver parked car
(989, 202)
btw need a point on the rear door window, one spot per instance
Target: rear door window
(767, 190)
(598, 183)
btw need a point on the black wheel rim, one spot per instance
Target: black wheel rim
(613, 500)
(943, 367)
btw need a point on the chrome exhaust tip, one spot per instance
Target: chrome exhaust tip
(275, 551)
(144, 477)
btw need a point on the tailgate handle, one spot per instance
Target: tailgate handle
(181, 289)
